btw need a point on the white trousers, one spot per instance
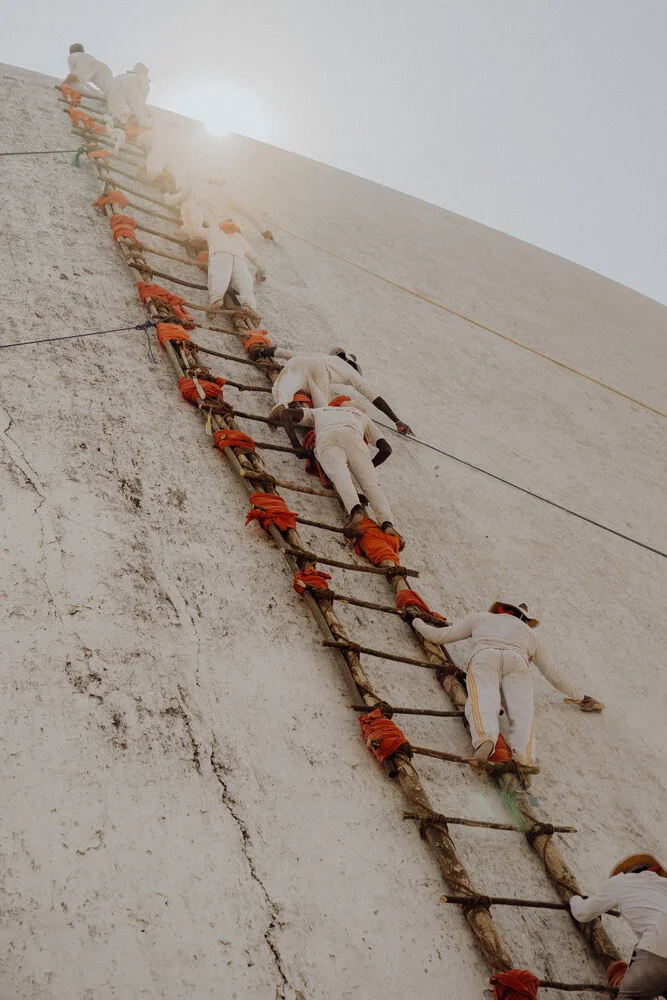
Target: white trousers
(292, 379)
(342, 453)
(196, 211)
(126, 98)
(495, 674)
(227, 271)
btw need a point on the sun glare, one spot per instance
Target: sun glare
(222, 108)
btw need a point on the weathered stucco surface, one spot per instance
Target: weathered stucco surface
(188, 809)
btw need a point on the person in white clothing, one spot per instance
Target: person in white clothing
(316, 374)
(229, 254)
(341, 450)
(498, 672)
(637, 887)
(207, 202)
(127, 96)
(85, 69)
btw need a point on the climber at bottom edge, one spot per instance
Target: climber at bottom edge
(498, 674)
(637, 886)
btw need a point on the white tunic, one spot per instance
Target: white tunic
(642, 901)
(328, 419)
(491, 631)
(90, 70)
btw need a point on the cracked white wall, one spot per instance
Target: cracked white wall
(189, 810)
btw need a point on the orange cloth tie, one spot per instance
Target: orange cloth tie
(233, 439)
(303, 398)
(269, 509)
(339, 400)
(254, 337)
(202, 257)
(171, 331)
(312, 578)
(501, 751)
(517, 984)
(70, 94)
(229, 226)
(99, 154)
(110, 198)
(375, 545)
(122, 227)
(80, 117)
(175, 302)
(383, 737)
(188, 389)
(407, 598)
(615, 972)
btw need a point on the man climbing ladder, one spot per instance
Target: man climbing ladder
(498, 670)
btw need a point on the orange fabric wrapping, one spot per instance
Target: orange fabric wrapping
(375, 545)
(229, 226)
(517, 984)
(99, 154)
(339, 400)
(80, 117)
(202, 257)
(303, 398)
(316, 579)
(406, 598)
(501, 751)
(122, 227)
(110, 198)
(175, 302)
(188, 389)
(383, 737)
(615, 972)
(171, 331)
(254, 337)
(233, 439)
(311, 465)
(70, 94)
(268, 509)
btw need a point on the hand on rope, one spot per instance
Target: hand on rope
(586, 704)
(377, 546)
(382, 736)
(404, 429)
(270, 509)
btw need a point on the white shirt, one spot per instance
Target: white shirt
(642, 901)
(491, 631)
(334, 368)
(330, 418)
(219, 242)
(90, 70)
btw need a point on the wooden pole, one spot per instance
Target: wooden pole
(413, 711)
(547, 984)
(389, 656)
(457, 820)
(537, 904)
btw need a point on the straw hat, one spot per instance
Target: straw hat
(521, 608)
(627, 865)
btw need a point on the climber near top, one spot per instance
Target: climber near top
(229, 254)
(315, 374)
(208, 202)
(342, 431)
(503, 647)
(85, 69)
(637, 887)
(127, 96)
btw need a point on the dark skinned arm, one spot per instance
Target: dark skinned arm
(385, 408)
(288, 418)
(384, 451)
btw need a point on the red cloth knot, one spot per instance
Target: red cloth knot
(375, 545)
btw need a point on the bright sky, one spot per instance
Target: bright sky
(542, 118)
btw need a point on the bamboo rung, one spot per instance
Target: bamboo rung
(217, 354)
(482, 765)
(379, 570)
(356, 648)
(538, 904)
(414, 711)
(459, 821)
(549, 984)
